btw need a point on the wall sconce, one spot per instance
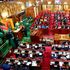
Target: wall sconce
(22, 7)
(4, 14)
(30, 4)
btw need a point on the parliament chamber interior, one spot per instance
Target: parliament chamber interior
(34, 34)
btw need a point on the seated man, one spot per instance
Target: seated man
(6, 66)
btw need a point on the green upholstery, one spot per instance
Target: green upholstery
(26, 39)
(4, 44)
(1, 41)
(27, 22)
(12, 42)
(1, 35)
(4, 48)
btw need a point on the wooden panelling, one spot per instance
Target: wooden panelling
(30, 11)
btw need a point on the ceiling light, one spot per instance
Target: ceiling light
(19, 2)
(65, 2)
(49, 2)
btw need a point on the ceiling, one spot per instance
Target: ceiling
(45, 1)
(52, 1)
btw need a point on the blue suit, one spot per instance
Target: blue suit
(6, 67)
